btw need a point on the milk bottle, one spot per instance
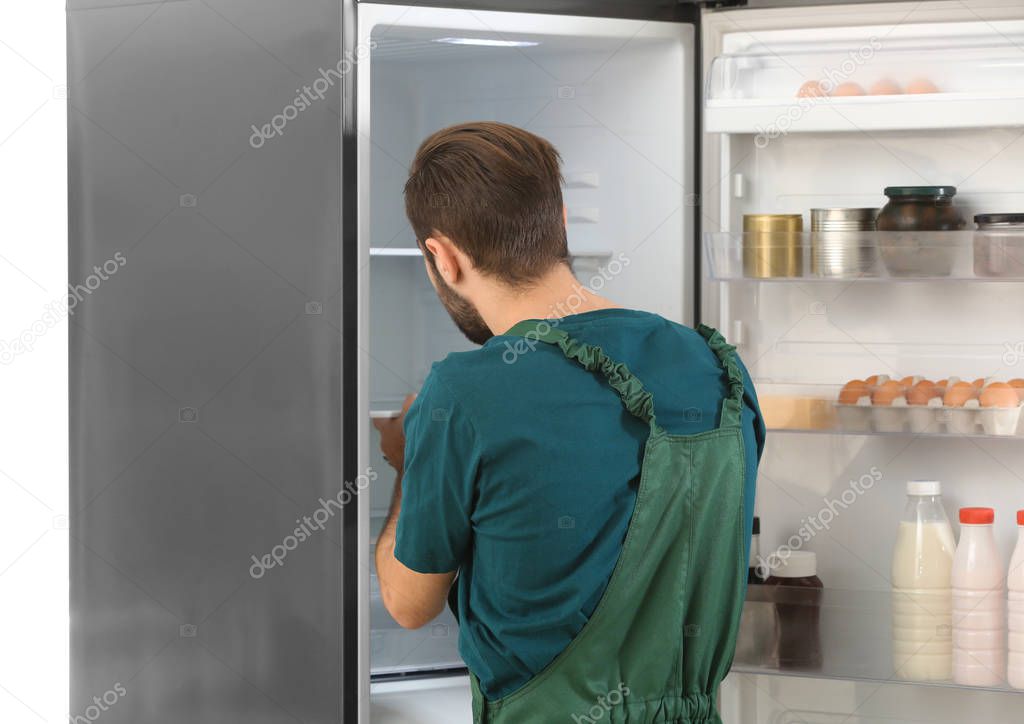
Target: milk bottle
(922, 565)
(1015, 604)
(979, 601)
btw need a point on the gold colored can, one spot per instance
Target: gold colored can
(772, 245)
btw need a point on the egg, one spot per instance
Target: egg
(875, 380)
(959, 394)
(922, 393)
(922, 85)
(885, 87)
(979, 383)
(886, 393)
(852, 392)
(999, 394)
(1018, 384)
(910, 381)
(848, 89)
(811, 89)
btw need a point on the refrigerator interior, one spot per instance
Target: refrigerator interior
(840, 494)
(614, 96)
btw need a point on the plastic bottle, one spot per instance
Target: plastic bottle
(979, 603)
(1015, 610)
(922, 602)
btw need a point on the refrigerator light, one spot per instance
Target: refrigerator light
(491, 42)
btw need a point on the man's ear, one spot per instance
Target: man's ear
(445, 259)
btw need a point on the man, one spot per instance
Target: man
(589, 476)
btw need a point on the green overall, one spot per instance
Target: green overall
(661, 639)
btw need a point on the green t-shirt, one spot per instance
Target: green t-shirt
(521, 469)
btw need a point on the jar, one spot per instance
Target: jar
(797, 609)
(999, 245)
(919, 209)
(773, 245)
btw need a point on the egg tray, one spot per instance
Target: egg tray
(970, 419)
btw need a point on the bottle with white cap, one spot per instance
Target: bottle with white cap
(979, 603)
(797, 609)
(1015, 610)
(922, 598)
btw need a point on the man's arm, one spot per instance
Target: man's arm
(413, 599)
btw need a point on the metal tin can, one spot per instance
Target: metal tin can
(772, 245)
(842, 244)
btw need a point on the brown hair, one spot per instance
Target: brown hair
(495, 191)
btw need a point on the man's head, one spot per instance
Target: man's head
(485, 202)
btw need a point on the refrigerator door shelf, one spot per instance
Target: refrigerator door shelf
(911, 76)
(870, 256)
(852, 629)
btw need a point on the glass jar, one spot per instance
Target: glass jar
(798, 600)
(915, 209)
(920, 208)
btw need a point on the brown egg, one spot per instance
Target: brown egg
(979, 383)
(942, 383)
(999, 394)
(922, 393)
(922, 85)
(848, 89)
(1018, 384)
(875, 380)
(811, 89)
(852, 391)
(886, 393)
(909, 381)
(959, 394)
(885, 87)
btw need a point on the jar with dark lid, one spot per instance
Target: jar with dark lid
(999, 245)
(798, 603)
(919, 209)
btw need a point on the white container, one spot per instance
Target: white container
(854, 418)
(962, 420)
(1000, 420)
(890, 418)
(923, 418)
(922, 600)
(1015, 610)
(979, 603)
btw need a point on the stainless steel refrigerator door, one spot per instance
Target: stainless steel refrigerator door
(206, 360)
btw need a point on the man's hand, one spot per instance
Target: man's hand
(392, 437)
(413, 599)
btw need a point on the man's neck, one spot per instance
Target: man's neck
(557, 294)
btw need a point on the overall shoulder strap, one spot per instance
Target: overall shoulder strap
(732, 405)
(635, 397)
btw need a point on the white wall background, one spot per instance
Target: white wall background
(33, 384)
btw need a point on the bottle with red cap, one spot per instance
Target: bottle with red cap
(1015, 610)
(979, 603)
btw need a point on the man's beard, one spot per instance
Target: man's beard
(460, 309)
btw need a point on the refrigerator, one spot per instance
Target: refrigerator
(675, 120)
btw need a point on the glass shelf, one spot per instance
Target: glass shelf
(835, 634)
(871, 256)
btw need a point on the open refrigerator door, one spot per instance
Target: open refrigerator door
(849, 153)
